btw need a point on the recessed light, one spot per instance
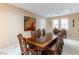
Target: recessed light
(67, 10)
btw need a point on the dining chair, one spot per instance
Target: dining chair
(56, 31)
(43, 32)
(38, 33)
(25, 50)
(57, 46)
(33, 35)
(64, 32)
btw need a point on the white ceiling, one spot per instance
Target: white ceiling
(49, 9)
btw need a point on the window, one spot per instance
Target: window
(55, 23)
(64, 23)
(61, 23)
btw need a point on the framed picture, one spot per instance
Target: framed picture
(29, 23)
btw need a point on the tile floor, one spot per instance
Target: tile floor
(71, 47)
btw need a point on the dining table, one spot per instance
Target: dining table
(40, 43)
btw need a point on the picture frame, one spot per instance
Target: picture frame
(29, 23)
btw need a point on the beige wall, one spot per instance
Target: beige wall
(12, 23)
(73, 32)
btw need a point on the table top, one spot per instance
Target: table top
(38, 44)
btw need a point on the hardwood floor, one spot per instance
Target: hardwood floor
(71, 47)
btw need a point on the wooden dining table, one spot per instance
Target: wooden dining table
(39, 45)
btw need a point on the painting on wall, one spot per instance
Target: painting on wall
(29, 23)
